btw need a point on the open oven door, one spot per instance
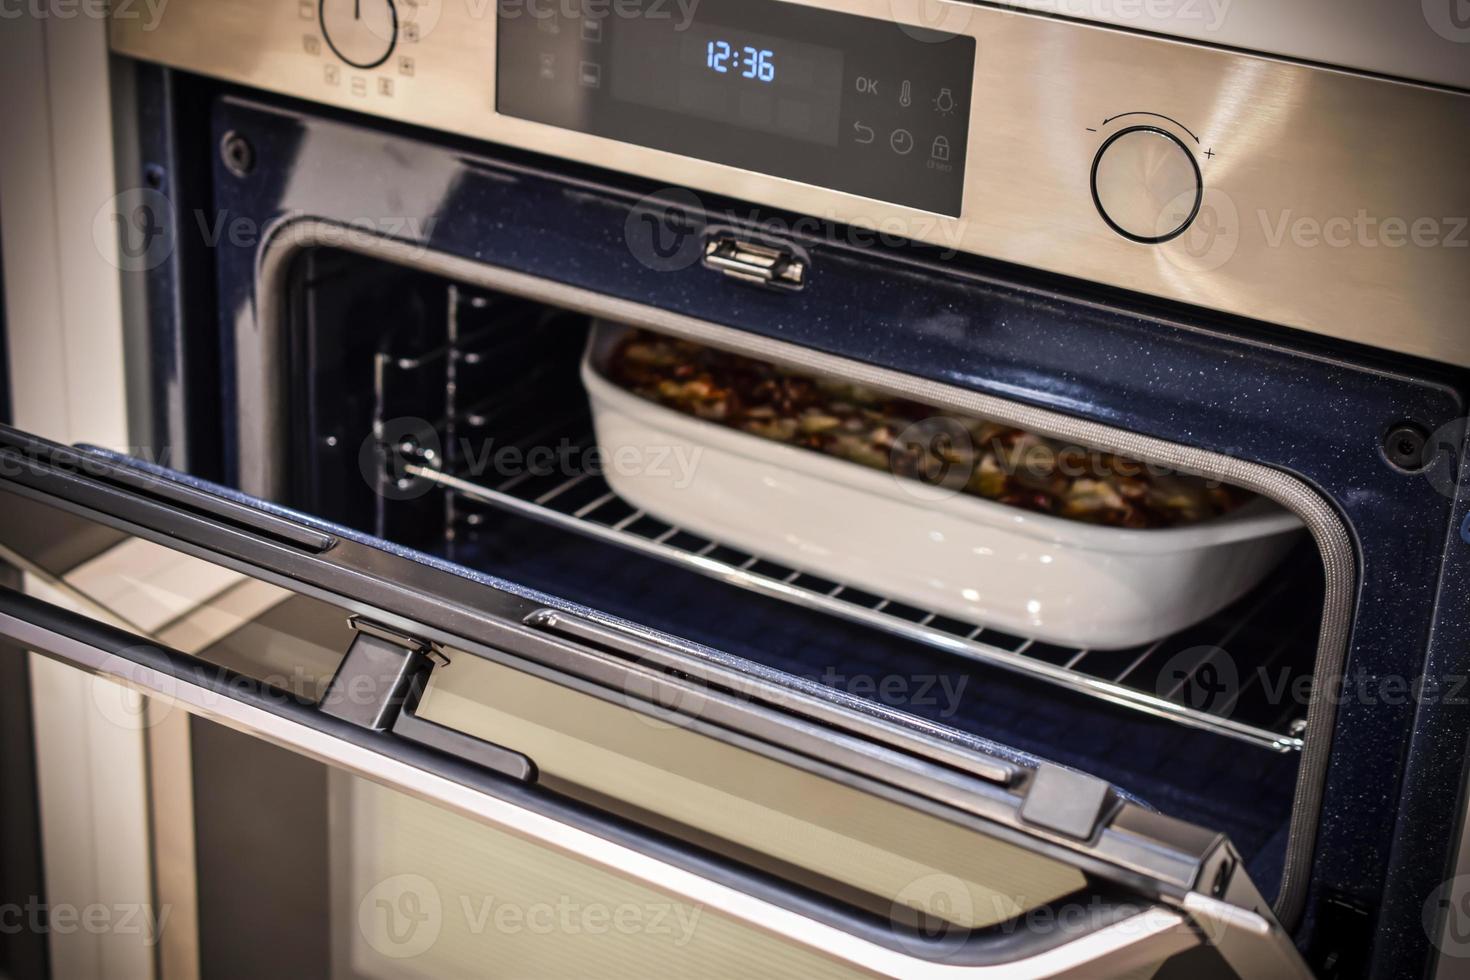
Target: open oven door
(863, 840)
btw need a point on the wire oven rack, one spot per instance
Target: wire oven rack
(485, 350)
(585, 504)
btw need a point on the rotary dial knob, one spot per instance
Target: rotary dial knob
(360, 32)
(1146, 184)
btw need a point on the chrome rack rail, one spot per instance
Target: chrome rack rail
(583, 503)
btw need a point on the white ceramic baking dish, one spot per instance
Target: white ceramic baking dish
(1030, 574)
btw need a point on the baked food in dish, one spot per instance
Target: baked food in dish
(976, 456)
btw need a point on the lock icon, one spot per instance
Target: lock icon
(940, 149)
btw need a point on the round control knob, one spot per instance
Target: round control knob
(360, 32)
(1146, 184)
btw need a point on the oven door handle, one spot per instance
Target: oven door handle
(1147, 938)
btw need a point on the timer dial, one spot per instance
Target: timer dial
(360, 32)
(1146, 184)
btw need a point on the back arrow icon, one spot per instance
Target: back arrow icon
(864, 133)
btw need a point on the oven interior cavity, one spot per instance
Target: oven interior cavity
(823, 527)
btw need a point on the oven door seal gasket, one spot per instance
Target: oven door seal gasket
(260, 383)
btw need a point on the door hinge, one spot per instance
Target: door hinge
(379, 684)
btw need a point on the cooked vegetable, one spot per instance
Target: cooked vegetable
(972, 455)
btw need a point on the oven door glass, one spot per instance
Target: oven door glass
(401, 743)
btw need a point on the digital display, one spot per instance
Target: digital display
(852, 103)
(738, 77)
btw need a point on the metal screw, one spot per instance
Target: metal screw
(1403, 447)
(1222, 877)
(237, 153)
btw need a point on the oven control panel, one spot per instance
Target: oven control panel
(812, 95)
(1300, 195)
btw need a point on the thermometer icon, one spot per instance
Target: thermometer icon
(905, 95)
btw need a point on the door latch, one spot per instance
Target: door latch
(764, 265)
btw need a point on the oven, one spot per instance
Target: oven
(462, 654)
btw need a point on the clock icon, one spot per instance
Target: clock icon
(360, 32)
